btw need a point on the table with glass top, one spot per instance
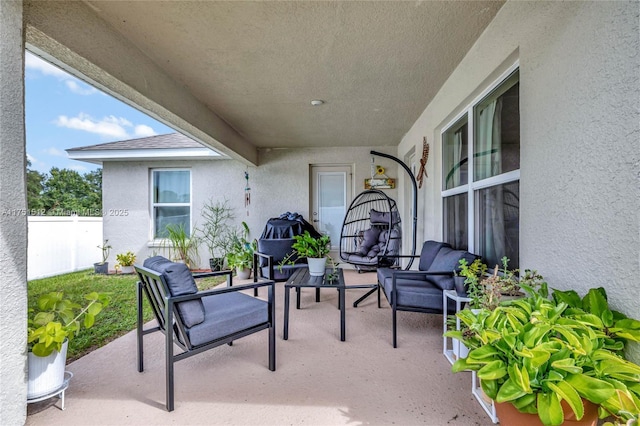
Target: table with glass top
(331, 279)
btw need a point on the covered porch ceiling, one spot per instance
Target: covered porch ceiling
(240, 76)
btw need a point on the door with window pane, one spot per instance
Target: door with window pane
(330, 198)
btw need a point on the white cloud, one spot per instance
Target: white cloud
(80, 88)
(143, 131)
(55, 152)
(78, 168)
(32, 62)
(108, 127)
(36, 164)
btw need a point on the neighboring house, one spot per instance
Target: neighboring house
(533, 134)
(152, 181)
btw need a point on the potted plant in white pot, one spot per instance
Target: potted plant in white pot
(125, 262)
(216, 231)
(103, 267)
(315, 249)
(555, 360)
(240, 255)
(51, 326)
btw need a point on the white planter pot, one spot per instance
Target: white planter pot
(243, 273)
(126, 269)
(316, 266)
(46, 374)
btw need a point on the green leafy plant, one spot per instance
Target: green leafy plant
(534, 352)
(57, 319)
(306, 245)
(487, 291)
(473, 273)
(105, 248)
(126, 259)
(241, 250)
(181, 246)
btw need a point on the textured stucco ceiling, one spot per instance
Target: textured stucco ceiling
(258, 65)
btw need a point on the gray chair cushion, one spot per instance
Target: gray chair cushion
(180, 282)
(383, 218)
(227, 313)
(447, 260)
(414, 293)
(369, 239)
(429, 252)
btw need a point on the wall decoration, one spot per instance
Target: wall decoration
(378, 179)
(422, 173)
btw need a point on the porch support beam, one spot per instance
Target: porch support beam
(13, 218)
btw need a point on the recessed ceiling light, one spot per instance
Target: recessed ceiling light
(317, 102)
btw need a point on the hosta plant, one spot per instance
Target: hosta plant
(535, 351)
(57, 319)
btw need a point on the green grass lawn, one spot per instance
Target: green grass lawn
(116, 319)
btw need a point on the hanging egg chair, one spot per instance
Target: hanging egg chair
(371, 231)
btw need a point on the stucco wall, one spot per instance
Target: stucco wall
(279, 185)
(580, 156)
(13, 223)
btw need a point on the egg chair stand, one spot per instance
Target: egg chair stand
(371, 235)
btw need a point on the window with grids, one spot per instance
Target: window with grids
(170, 200)
(481, 175)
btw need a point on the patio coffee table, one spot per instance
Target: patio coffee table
(301, 279)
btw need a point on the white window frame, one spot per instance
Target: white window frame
(159, 242)
(471, 187)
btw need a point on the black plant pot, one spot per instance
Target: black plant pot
(461, 290)
(101, 268)
(216, 263)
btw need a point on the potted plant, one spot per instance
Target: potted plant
(315, 249)
(51, 326)
(240, 255)
(125, 262)
(182, 247)
(216, 231)
(487, 291)
(553, 358)
(103, 267)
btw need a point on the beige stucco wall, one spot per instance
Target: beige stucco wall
(279, 185)
(580, 150)
(13, 222)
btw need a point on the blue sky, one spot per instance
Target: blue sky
(63, 112)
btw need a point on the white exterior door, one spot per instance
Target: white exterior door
(330, 198)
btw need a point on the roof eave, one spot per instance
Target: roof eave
(100, 156)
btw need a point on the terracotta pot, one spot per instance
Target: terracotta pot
(510, 416)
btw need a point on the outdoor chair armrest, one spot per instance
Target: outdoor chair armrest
(447, 273)
(398, 273)
(215, 291)
(197, 275)
(257, 269)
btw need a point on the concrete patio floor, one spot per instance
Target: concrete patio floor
(319, 379)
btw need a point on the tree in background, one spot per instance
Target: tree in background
(64, 191)
(35, 187)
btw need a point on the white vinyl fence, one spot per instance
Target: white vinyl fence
(58, 245)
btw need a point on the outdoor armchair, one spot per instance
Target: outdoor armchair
(195, 320)
(421, 290)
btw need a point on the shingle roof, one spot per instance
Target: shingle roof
(168, 141)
